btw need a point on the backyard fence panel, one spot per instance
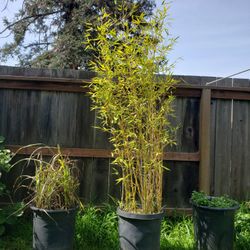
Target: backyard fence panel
(64, 117)
(179, 182)
(100, 181)
(240, 169)
(84, 122)
(85, 170)
(182, 177)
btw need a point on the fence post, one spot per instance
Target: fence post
(204, 140)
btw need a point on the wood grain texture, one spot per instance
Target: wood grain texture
(179, 182)
(213, 118)
(186, 120)
(240, 162)
(223, 147)
(205, 117)
(96, 153)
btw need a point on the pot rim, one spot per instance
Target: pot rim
(129, 215)
(70, 210)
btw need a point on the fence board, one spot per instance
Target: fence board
(240, 172)
(223, 141)
(100, 181)
(84, 122)
(179, 182)
(186, 118)
(213, 118)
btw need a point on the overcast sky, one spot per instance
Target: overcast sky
(214, 36)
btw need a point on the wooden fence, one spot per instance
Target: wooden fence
(213, 141)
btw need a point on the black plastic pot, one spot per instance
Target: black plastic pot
(53, 229)
(214, 227)
(139, 231)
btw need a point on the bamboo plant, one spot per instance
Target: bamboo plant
(133, 102)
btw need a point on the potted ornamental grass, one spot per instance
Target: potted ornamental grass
(53, 200)
(213, 221)
(134, 104)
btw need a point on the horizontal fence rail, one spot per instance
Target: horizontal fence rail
(98, 153)
(79, 86)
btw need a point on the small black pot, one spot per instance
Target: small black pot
(139, 231)
(214, 227)
(53, 229)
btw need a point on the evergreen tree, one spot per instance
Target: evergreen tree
(56, 28)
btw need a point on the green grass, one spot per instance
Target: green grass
(96, 229)
(18, 236)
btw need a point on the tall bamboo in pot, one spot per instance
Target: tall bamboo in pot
(134, 103)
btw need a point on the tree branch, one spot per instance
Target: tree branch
(28, 17)
(36, 44)
(5, 7)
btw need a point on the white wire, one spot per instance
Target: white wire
(217, 80)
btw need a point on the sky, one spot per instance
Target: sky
(213, 36)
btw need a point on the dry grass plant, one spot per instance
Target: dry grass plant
(54, 184)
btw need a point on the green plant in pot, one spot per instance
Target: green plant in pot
(54, 199)
(134, 105)
(213, 221)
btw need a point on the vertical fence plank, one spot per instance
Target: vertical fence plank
(212, 144)
(240, 167)
(84, 122)
(85, 169)
(223, 142)
(100, 181)
(204, 169)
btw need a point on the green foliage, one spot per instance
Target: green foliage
(9, 213)
(49, 33)
(133, 103)
(55, 184)
(242, 227)
(5, 157)
(201, 199)
(96, 229)
(177, 234)
(19, 236)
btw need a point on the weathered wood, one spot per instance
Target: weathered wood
(85, 178)
(231, 94)
(97, 153)
(100, 181)
(77, 86)
(240, 161)
(204, 168)
(73, 152)
(186, 120)
(44, 85)
(223, 147)
(212, 143)
(179, 182)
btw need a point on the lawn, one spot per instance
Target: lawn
(96, 229)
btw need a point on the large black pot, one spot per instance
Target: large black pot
(214, 227)
(139, 231)
(53, 229)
